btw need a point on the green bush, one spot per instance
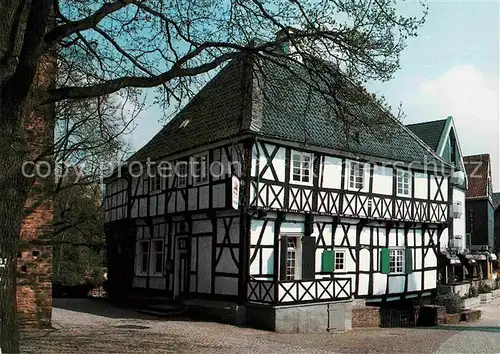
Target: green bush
(497, 283)
(484, 288)
(473, 292)
(451, 301)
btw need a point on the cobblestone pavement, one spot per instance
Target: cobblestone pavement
(478, 337)
(91, 326)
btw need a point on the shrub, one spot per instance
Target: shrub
(484, 288)
(451, 301)
(473, 292)
(497, 283)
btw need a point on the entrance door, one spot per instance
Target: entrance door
(182, 267)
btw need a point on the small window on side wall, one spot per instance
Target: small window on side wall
(301, 167)
(200, 169)
(404, 183)
(339, 260)
(356, 175)
(182, 173)
(155, 183)
(158, 257)
(143, 257)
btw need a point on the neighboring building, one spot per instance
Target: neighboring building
(441, 136)
(306, 223)
(480, 210)
(496, 206)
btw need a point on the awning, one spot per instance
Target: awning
(493, 257)
(470, 258)
(448, 259)
(480, 257)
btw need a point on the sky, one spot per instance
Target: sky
(450, 69)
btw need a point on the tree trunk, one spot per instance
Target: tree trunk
(13, 192)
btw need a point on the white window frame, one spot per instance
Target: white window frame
(154, 252)
(182, 176)
(401, 190)
(336, 252)
(140, 254)
(153, 183)
(355, 166)
(202, 176)
(399, 253)
(301, 167)
(298, 255)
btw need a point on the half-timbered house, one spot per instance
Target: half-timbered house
(442, 137)
(272, 207)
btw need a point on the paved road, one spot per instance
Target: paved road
(89, 326)
(478, 337)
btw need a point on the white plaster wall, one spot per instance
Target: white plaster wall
(421, 183)
(205, 265)
(382, 180)
(157, 282)
(379, 283)
(234, 231)
(256, 229)
(219, 195)
(414, 281)
(192, 198)
(292, 227)
(430, 279)
(226, 263)
(332, 172)
(278, 161)
(226, 286)
(396, 284)
(201, 226)
(139, 282)
(364, 260)
(434, 188)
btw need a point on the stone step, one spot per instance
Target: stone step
(162, 313)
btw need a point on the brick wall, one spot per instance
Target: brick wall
(365, 317)
(34, 269)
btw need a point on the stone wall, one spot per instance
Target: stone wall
(368, 316)
(301, 318)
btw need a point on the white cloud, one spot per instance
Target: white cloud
(472, 98)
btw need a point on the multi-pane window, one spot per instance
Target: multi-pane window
(143, 256)
(291, 258)
(181, 174)
(356, 175)
(158, 256)
(301, 167)
(155, 183)
(396, 261)
(200, 169)
(404, 182)
(339, 260)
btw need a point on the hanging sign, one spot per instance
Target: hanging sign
(235, 188)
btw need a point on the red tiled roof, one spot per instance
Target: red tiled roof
(477, 167)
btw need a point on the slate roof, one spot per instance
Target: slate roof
(276, 104)
(477, 167)
(429, 132)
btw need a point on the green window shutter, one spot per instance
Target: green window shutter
(384, 260)
(408, 260)
(327, 261)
